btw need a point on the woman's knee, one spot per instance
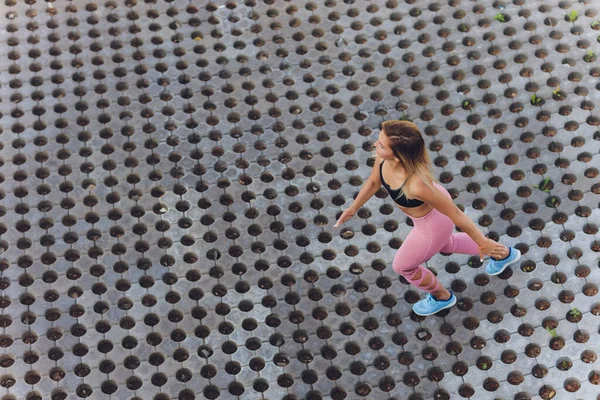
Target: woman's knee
(405, 263)
(407, 271)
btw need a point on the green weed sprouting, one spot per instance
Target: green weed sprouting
(535, 100)
(572, 16)
(500, 17)
(552, 332)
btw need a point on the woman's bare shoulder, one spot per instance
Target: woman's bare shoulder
(417, 184)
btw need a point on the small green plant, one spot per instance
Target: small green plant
(572, 16)
(575, 312)
(557, 94)
(527, 268)
(535, 100)
(589, 56)
(552, 332)
(405, 117)
(557, 90)
(500, 17)
(565, 364)
(595, 24)
(466, 103)
(484, 366)
(544, 186)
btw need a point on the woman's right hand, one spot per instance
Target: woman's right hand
(346, 215)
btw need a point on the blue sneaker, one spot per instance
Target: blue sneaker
(430, 305)
(495, 267)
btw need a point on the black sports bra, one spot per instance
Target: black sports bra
(400, 200)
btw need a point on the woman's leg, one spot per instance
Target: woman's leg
(427, 237)
(413, 271)
(418, 275)
(460, 242)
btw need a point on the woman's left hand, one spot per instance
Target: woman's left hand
(492, 249)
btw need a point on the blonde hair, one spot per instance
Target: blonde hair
(408, 146)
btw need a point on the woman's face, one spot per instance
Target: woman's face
(382, 147)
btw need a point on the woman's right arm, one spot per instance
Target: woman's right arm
(369, 188)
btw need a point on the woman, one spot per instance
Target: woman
(402, 162)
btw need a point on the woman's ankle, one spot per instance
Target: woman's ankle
(442, 294)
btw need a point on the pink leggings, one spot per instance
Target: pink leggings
(432, 233)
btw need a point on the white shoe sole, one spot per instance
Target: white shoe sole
(435, 312)
(507, 264)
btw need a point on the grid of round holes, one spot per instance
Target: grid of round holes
(61, 164)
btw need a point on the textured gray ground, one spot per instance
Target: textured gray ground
(171, 172)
